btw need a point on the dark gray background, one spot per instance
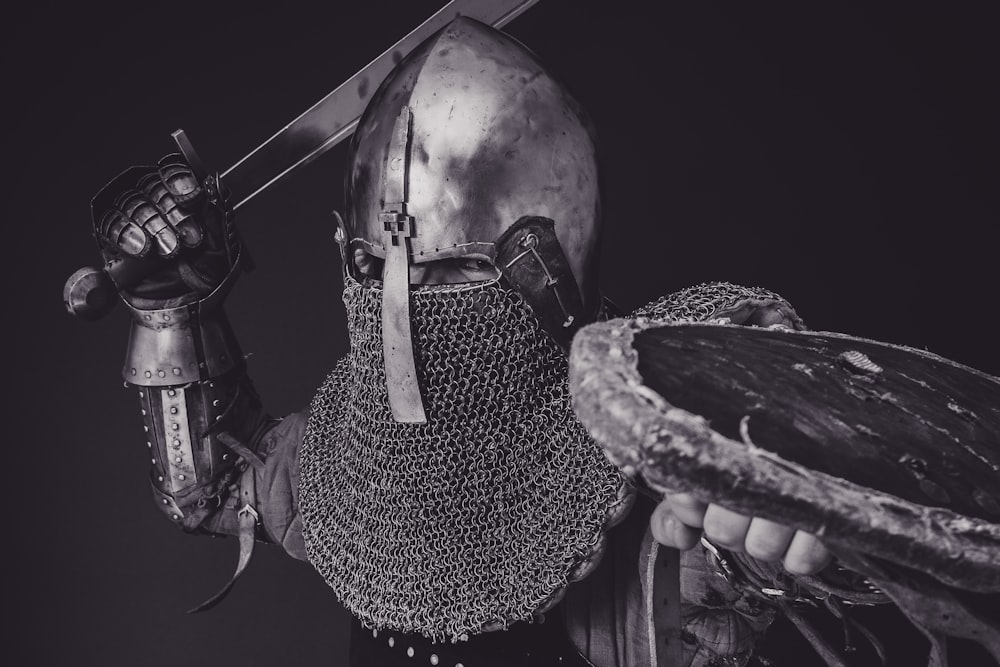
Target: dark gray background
(844, 155)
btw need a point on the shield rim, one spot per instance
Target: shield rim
(645, 435)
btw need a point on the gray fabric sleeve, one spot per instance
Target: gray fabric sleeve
(278, 484)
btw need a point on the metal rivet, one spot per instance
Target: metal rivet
(211, 385)
(166, 502)
(145, 428)
(458, 664)
(147, 317)
(166, 317)
(409, 651)
(173, 410)
(161, 373)
(148, 374)
(177, 443)
(159, 478)
(225, 457)
(175, 517)
(218, 417)
(143, 412)
(175, 427)
(392, 641)
(177, 371)
(177, 459)
(434, 658)
(133, 373)
(374, 632)
(215, 403)
(181, 477)
(171, 392)
(154, 462)
(149, 444)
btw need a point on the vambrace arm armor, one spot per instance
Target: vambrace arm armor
(202, 417)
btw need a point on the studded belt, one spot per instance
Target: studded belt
(522, 645)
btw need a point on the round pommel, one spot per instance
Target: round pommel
(90, 293)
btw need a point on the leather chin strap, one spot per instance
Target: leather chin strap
(248, 520)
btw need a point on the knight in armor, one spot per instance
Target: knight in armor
(439, 481)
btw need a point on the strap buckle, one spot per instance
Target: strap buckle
(248, 509)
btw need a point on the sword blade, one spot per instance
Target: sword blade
(334, 118)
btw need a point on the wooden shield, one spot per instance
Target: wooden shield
(878, 449)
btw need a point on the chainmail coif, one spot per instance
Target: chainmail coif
(477, 518)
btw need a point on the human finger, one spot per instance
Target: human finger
(725, 527)
(806, 554)
(669, 531)
(688, 509)
(767, 540)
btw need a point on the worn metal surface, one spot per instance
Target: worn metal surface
(494, 138)
(879, 449)
(334, 118)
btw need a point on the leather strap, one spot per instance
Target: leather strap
(248, 521)
(668, 647)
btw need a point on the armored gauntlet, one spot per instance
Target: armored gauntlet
(202, 418)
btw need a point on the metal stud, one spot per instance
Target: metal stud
(215, 403)
(143, 412)
(177, 443)
(161, 373)
(149, 444)
(181, 477)
(154, 461)
(175, 517)
(178, 459)
(392, 642)
(140, 393)
(409, 651)
(374, 633)
(171, 392)
(166, 502)
(175, 427)
(148, 374)
(225, 457)
(145, 428)
(177, 371)
(159, 478)
(434, 658)
(173, 410)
